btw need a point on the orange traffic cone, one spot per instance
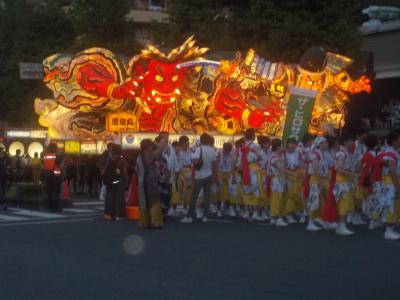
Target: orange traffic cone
(132, 208)
(132, 212)
(133, 192)
(66, 193)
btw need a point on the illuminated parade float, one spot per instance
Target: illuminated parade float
(97, 97)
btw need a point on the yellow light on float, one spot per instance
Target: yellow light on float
(148, 99)
(153, 93)
(132, 93)
(135, 83)
(177, 91)
(158, 100)
(172, 99)
(249, 57)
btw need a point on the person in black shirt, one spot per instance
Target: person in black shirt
(17, 166)
(93, 172)
(52, 167)
(71, 172)
(82, 173)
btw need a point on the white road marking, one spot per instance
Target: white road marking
(88, 203)
(48, 222)
(12, 218)
(32, 213)
(79, 210)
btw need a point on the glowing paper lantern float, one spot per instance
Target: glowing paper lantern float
(181, 92)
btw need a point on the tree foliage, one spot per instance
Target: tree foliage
(104, 24)
(32, 30)
(28, 33)
(277, 29)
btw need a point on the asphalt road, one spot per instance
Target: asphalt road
(88, 258)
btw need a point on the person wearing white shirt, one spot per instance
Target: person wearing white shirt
(264, 154)
(248, 164)
(175, 197)
(185, 174)
(276, 170)
(204, 160)
(317, 170)
(390, 200)
(235, 184)
(167, 166)
(225, 170)
(344, 188)
(294, 182)
(360, 192)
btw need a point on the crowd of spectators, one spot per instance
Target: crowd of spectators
(388, 118)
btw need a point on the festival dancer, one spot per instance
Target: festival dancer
(175, 197)
(276, 170)
(248, 164)
(360, 194)
(185, 175)
(390, 200)
(225, 168)
(318, 182)
(235, 183)
(368, 181)
(264, 154)
(344, 190)
(293, 162)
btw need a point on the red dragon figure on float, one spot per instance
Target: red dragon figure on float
(94, 84)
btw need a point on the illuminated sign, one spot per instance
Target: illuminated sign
(299, 113)
(132, 140)
(18, 134)
(102, 146)
(88, 147)
(119, 122)
(60, 146)
(37, 134)
(72, 147)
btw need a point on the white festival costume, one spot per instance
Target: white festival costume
(388, 191)
(314, 198)
(277, 182)
(349, 165)
(252, 158)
